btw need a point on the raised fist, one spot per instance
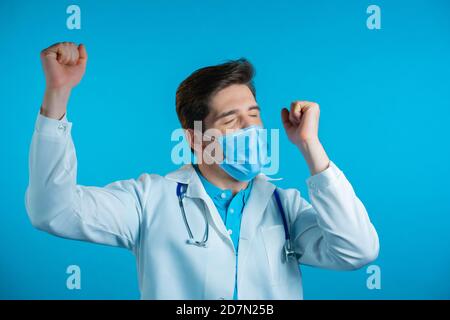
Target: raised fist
(64, 64)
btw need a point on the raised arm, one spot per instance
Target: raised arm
(334, 231)
(54, 201)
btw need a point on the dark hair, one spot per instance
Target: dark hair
(195, 92)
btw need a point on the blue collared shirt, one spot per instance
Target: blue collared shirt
(230, 209)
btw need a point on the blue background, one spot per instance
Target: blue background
(384, 96)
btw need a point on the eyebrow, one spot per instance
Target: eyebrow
(230, 112)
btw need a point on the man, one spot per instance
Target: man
(209, 231)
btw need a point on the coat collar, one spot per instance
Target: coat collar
(187, 175)
(258, 200)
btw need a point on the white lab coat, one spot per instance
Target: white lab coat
(143, 215)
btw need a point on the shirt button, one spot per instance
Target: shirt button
(223, 195)
(231, 210)
(62, 127)
(230, 231)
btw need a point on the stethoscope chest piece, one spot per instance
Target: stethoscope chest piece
(201, 244)
(290, 253)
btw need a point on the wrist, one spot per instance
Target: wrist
(55, 102)
(307, 144)
(314, 154)
(58, 93)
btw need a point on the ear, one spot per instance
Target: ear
(194, 140)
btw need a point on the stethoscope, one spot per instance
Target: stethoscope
(288, 249)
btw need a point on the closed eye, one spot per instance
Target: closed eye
(254, 111)
(229, 121)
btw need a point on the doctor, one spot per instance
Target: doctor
(209, 231)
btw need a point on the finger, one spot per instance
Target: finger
(62, 53)
(285, 119)
(66, 54)
(59, 50)
(51, 51)
(71, 54)
(54, 52)
(309, 106)
(74, 54)
(82, 54)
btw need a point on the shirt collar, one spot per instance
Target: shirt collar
(216, 193)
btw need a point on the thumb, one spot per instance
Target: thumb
(285, 119)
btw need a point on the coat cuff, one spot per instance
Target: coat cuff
(325, 178)
(53, 127)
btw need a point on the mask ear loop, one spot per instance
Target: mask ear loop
(269, 177)
(213, 139)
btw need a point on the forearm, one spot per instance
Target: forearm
(52, 171)
(343, 219)
(55, 102)
(334, 231)
(315, 155)
(57, 204)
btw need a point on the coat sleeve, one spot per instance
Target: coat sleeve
(55, 203)
(334, 230)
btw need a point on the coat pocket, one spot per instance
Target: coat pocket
(274, 239)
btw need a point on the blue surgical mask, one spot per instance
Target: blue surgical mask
(244, 152)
